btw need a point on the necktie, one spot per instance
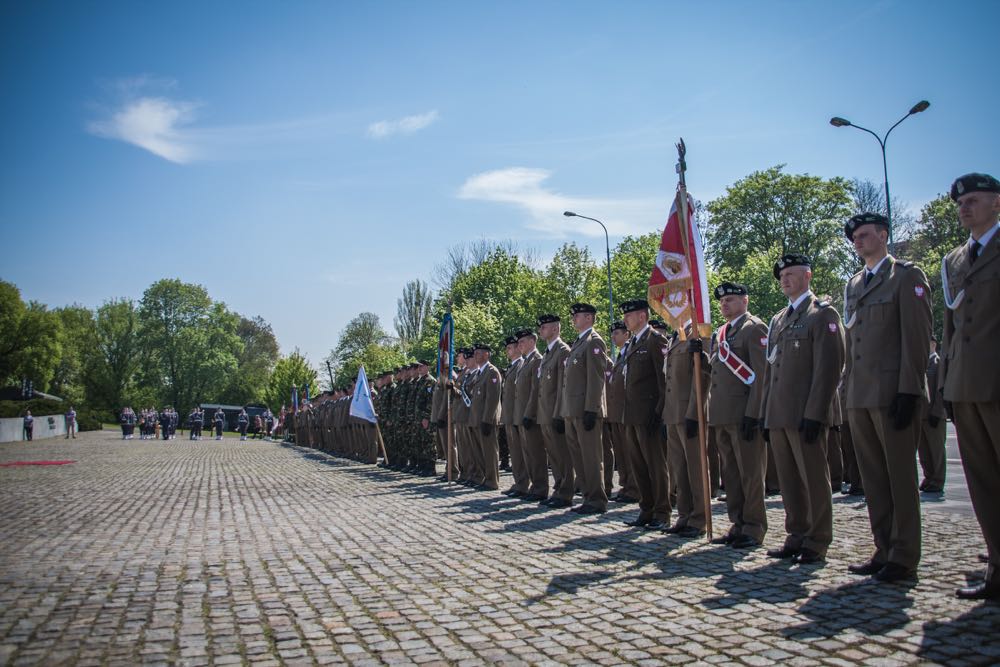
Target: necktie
(976, 249)
(868, 277)
(791, 309)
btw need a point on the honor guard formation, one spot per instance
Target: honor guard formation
(807, 403)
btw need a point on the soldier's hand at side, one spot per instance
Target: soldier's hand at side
(950, 411)
(589, 420)
(691, 426)
(560, 425)
(442, 423)
(695, 347)
(810, 429)
(748, 428)
(528, 422)
(901, 410)
(426, 423)
(654, 424)
(664, 432)
(766, 434)
(933, 421)
(485, 428)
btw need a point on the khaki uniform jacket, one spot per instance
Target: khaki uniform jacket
(730, 400)
(549, 384)
(888, 330)
(680, 398)
(808, 360)
(583, 381)
(459, 410)
(439, 403)
(616, 388)
(970, 363)
(507, 397)
(644, 390)
(526, 381)
(486, 390)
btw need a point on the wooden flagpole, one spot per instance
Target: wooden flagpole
(702, 435)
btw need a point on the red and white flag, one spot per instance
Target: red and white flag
(678, 288)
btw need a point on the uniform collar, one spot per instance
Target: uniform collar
(985, 238)
(798, 302)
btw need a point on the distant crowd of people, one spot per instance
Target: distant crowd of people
(154, 424)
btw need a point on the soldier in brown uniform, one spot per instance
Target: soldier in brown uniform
(933, 431)
(460, 402)
(642, 418)
(525, 416)
(733, 413)
(583, 406)
(484, 414)
(805, 353)
(680, 418)
(518, 467)
(628, 491)
(887, 314)
(546, 399)
(970, 373)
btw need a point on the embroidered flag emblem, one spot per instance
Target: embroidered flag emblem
(919, 291)
(597, 350)
(833, 327)
(763, 341)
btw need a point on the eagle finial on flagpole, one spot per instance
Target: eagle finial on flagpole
(681, 163)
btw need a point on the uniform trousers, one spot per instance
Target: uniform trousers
(535, 460)
(931, 451)
(743, 465)
(684, 461)
(835, 458)
(623, 459)
(487, 458)
(978, 426)
(887, 459)
(562, 465)
(476, 471)
(466, 469)
(609, 459)
(586, 450)
(648, 457)
(804, 477)
(442, 437)
(518, 465)
(771, 483)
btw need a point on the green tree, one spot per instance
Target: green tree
(413, 310)
(254, 362)
(375, 358)
(113, 362)
(291, 371)
(78, 340)
(30, 340)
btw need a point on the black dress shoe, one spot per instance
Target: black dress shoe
(728, 538)
(639, 522)
(689, 532)
(744, 542)
(807, 556)
(984, 591)
(655, 524)
(933, 488)
(983, 558)
(866, 569)
(587, 509)
(783, 552)
(855, 490)
(676, 528)
(559, 503)
(895, 572)
(628, 500)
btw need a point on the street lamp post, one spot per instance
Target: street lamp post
(837, 121)
(611, 298)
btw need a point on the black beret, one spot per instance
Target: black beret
(482, 346)
(618, 325)
(582, 308)
(791, 259)
(727, 288)
(547, 318)
(523, 333)
(657, 324)
(467, 352)
(510, 340)
(864, 219)
(974, 182)
(634, 305)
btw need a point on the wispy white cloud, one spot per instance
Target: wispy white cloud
(153, 123)
(525, 188)
(406, 125)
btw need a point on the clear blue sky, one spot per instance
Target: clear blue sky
(304, 160)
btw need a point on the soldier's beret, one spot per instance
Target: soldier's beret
(618, 325)
(547, 318)
(791, 259)
(657, 324)
(467, 352)
(727, 288)
(523, 333)
(423, 362)
(863, 219)
(974, 182)
(582, 308)
(510, 340)
(634, 305)
(482, 346)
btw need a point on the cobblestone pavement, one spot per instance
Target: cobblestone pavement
(257, 553)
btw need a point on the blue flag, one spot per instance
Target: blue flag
(361, 403)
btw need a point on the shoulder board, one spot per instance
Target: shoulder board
(822, 304)
(908, 264)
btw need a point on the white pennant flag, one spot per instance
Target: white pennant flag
(361, 403)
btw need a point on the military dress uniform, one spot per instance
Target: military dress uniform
(616, 412)
(644, 396)
(583, 407)
(526, 417)
(737, 392)
(970, 373)
(805, 360)
(888, 318)
(518, 467)
(484, 418)
(932, 436)
(553, 427)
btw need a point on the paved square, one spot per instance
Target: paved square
(197, 553)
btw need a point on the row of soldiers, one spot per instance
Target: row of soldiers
(779, 387)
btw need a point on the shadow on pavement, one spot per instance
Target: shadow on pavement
(865, 606)
(974, 633)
